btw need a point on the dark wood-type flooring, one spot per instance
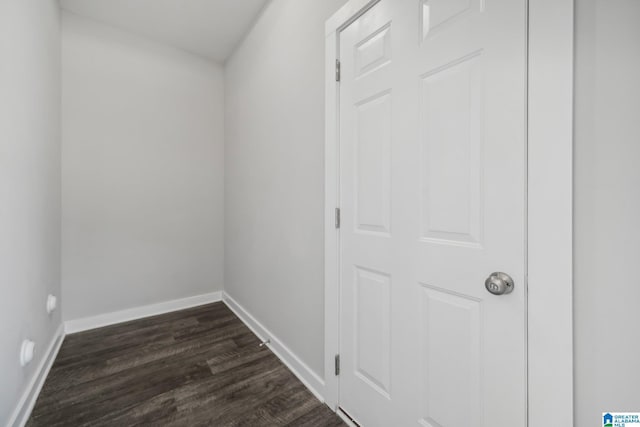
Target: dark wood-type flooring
(195, 367)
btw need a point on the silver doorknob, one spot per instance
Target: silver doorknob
(499, 283)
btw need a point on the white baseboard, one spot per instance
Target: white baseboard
(22, 412)
(310, 379)
(93, 322)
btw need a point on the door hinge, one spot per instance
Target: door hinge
(337, 217)
(337, 361)
(337, 70)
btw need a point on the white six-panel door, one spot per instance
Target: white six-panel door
(432, 193)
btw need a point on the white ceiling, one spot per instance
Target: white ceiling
(211, 28)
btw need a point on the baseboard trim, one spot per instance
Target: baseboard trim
(93, 322)
(310, 379)
(22, 412)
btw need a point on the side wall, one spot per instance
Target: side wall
(607, 209)
(142, 171)
(274, 191)
(29, 188)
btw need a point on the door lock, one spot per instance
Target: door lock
(499, 283)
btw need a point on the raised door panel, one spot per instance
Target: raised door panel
(373, 329)
(452, 111)
(451, 334)
(373, 165)
(438, 14)
(374, 51)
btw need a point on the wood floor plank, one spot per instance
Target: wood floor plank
(272, 413)
(196, 367)
(317, 417)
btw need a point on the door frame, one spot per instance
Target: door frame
(549, 207)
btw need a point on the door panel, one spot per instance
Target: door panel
(373, 164)
(432, 192)
(451, 359)
(452, 120)
(373, 321)
(374, 51)
(439, 14)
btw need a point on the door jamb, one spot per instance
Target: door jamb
(549, 208)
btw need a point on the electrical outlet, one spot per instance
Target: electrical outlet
(52, 303)
(26, 352)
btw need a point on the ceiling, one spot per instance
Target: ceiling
(210, 28)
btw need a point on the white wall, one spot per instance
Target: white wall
(29, 187)
(274, 145)
(142, 171)
(607, 209)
